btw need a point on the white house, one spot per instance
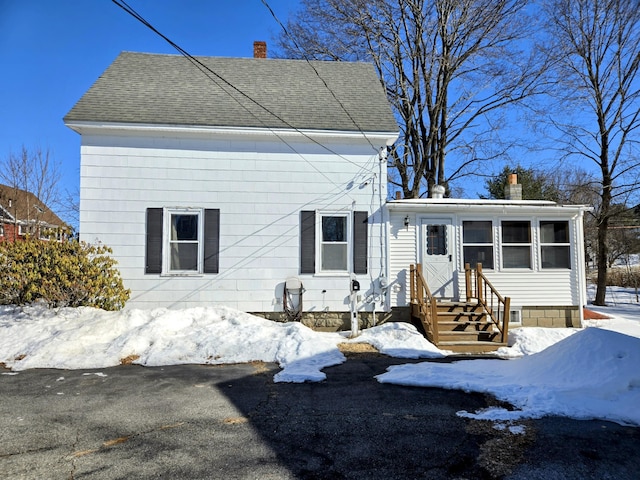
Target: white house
(217, 181)
(225, 180)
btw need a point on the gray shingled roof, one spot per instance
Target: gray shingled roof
(142, 88)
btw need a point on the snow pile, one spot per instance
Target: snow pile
(400, 340)
(579, 373)
(82, 338)
(591, 374)
(527, 341)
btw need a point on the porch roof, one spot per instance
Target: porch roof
(471, 204)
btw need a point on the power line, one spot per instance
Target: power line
(207, 70)
(306, 58)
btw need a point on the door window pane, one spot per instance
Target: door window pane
(436, 239)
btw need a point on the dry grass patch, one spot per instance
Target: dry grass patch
(352, 348)
(128, 360)
(235, 420)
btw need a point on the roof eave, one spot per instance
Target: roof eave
(413, 205)
(89, 127)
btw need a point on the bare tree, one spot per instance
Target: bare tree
(595, 51)
(35, 172)
(449, 68)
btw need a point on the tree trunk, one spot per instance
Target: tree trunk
(603, 224)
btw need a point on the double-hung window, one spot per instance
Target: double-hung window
(554, 244)
(477, 242)
(182, 241)
(334, 251)
(516, 244)
(334, 242)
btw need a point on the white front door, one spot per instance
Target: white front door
(438, 256)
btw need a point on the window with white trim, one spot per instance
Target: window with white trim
(184, 241)
(334, 244)
(555, 244)
(477, 242)
(516, 244)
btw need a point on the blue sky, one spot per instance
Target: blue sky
(51, 51)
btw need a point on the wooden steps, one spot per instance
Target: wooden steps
(463, 327)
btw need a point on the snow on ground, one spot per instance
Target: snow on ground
(580, 373)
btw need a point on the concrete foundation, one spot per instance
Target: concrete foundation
(554, 316)
(340, 321)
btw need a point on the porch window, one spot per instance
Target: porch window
(516, 244)
(555, 244)
(477, 242)
(334, 244)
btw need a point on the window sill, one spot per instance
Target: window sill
(332, 274)
(182, 274)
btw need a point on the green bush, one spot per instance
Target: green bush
(61, 274)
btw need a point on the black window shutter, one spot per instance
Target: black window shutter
(360, 239)
(153, 260)
(307, 241)
(212, 240)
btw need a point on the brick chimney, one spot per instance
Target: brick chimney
(259, 49)
(513, 190)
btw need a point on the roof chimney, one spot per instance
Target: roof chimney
(259, 49)
(437, 191)
(513, 190)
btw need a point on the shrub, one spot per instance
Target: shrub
(620, 277)
(61, 274)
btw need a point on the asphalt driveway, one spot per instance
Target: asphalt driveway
(233, 422)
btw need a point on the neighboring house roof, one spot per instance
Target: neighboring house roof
(23, 206)
(141, 88)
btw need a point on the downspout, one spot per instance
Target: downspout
(355, 322)
(582, 280)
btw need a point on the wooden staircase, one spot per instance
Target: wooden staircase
(477, 325)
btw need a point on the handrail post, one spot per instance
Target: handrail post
(412, 293)
(479, 285)
(420, 285)
(467, 280)
(506, 319)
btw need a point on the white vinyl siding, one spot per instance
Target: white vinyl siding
(258, 184)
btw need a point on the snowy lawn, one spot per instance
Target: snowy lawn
(580, 373)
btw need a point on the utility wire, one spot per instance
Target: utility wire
(306, 58)
(207, 70)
